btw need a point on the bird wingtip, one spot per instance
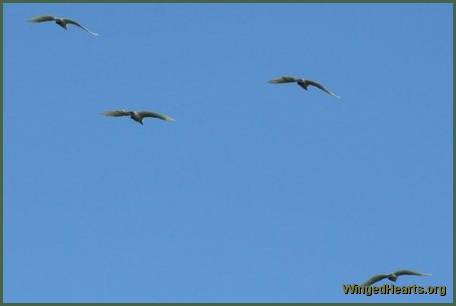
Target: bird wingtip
(334, 95)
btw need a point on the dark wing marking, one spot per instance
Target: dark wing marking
(145, 114)
(284, 79)
(79, 25)
(318, 85)
(42, 18)
(410, 272)
(117, 113)
(374, 279)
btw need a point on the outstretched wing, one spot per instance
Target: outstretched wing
(69, 21)
(117, 113)
(374, 279)
(318, 85)
(145, 114)
(410, 272)
(284, 79)
(42, 18)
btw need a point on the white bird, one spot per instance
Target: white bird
(63, 22)
(138, 116)
(303, 83)
(391, 276)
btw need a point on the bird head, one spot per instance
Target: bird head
(61, 23)
(302, 83)
(392, 277)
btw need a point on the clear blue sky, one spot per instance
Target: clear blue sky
(258, 192)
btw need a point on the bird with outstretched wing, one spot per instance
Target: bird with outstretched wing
(391, 276)
(63, 22)
(138, 116)
(303, 83)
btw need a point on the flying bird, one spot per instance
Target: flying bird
(137, 116)
(303, 83)
(391, 276)
(63, 22)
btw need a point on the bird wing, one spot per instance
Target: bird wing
(79, 25)
(410, 272)
(283, 79)
(318, 85)
(42, 18)
(145, 114)
(374, 279)
(117, 113)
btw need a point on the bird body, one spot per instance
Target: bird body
(391, 276)
(303, 83)
(63, 22)
(138, 116)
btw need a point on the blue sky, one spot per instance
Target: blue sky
(258, 192)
